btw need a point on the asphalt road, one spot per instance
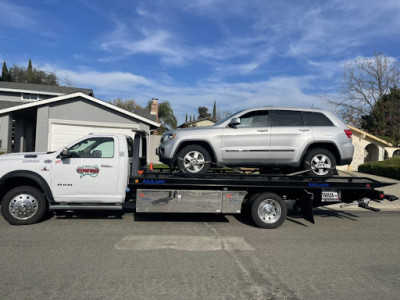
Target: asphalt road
(89, 256)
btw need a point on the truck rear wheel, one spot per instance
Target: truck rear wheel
(23, 205)
(268, 210)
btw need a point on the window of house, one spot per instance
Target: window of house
(28, 96)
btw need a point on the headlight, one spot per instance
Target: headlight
(168, 137)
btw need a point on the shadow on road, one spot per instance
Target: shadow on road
(141, 217)
(179, 217)
(88, 214)
(297, 218)
(292, 216)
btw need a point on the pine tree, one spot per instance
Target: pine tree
(29, 73)
(5, 76)
(214, 113)
(186, 118)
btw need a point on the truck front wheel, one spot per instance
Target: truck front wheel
(268, 210)
(23, 205)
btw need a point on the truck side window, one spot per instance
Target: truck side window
(96, 147)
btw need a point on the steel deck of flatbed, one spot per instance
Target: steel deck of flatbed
(239, 181)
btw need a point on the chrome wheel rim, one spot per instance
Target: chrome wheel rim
(193, 161)
(23, 206)
(269, 211)
(321, 164)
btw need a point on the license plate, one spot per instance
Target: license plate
(330, 196)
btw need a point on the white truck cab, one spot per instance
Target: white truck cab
(93, 169)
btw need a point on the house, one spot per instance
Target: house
(368, 148)
(198, 123)
(48, 124)
(14, 93)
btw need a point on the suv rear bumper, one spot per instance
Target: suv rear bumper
(347, 152)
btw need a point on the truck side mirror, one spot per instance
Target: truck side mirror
(64, 153)
(234, 122)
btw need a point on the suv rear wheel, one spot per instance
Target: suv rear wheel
(319, 162)
(194, 159)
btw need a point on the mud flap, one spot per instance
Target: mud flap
(307, 206)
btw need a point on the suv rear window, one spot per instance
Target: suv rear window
(286, 118)
(316, 119)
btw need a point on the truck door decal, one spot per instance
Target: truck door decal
(92, 171)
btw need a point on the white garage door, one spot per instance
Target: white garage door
(61, 134)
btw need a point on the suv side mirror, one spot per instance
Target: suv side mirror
(64, 153)
(234, 122)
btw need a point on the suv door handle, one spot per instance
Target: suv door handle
(106, 166)
(262, 130)
(304, 129)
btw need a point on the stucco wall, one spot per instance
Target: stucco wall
(360, 142)
(154, 143)
(5, 134)
(42, 129)
(79, 109)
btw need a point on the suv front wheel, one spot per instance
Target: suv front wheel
(194, 159)
(319, 162)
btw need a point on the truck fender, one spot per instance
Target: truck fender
(39, 180)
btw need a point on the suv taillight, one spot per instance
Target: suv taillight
(348, 132)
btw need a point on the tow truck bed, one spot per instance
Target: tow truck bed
(261, 195)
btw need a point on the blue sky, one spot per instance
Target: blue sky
(191, 53)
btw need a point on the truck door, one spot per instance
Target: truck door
(89, 173)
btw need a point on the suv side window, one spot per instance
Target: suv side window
(257, 118)
(281, 118)
(316, 119)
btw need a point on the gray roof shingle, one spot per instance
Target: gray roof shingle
(44, 88)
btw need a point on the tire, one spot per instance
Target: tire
(23, 205)
(320, 163)
(268, 210)
(194, 159)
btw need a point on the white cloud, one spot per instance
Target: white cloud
(16, 16)
(144, 41)
(23, 17)
(278, 91)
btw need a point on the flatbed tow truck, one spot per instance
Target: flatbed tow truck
(108, 172)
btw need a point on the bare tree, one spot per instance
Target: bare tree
(365, 81)
(129, 105)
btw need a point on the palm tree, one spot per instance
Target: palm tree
(165, 115)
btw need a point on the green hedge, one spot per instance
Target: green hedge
(389, 168)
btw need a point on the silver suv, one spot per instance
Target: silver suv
(309, 139)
